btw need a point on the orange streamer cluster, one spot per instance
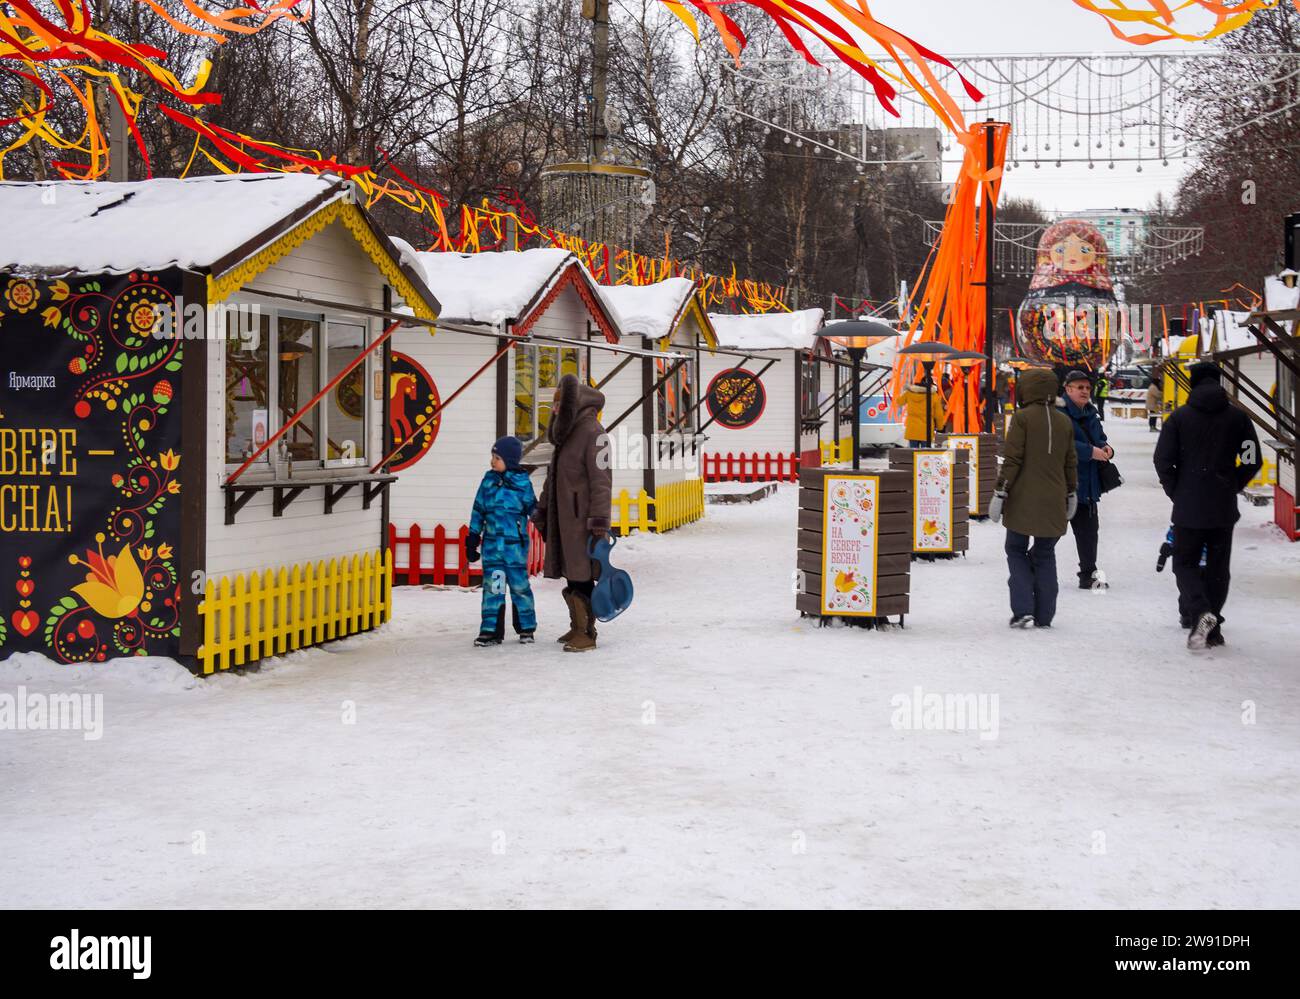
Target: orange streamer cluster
(951, 308)
(1161, 18)
(60, 53)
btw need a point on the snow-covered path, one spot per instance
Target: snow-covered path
(716, 751)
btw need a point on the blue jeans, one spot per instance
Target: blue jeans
(1033, 577)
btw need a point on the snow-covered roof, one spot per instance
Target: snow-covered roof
(1230, 332)
(490, 287)
(773, 331)
(1278, 297)
(96, 227)
(649, 309)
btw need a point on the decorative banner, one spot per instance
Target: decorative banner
(949, 304)
(1162, 16)
(735, 398)
(850, 527)
(89, 451)
(412, 398)
(971, 444)
(932, 501)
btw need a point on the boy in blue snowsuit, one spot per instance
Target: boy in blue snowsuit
(499, 525)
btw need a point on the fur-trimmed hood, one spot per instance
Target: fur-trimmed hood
(576, 402)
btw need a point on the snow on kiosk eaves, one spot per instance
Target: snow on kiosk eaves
(490, 288)
(649, 310)
(773, 331)
(71, 227)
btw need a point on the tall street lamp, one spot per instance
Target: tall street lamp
(966, 360)
(856, 335)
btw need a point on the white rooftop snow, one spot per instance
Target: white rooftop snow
(773, 331)
(96, 227)
(1279, 298)
(490, 287)
(648, 309)
(1231, 331)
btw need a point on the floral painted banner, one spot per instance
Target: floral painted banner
(970, 443)
(932, 501)
(89, 457)
(850, 528)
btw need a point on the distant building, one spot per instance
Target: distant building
(1125, 229)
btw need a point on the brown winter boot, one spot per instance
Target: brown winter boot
(567, 594)
(584, 637)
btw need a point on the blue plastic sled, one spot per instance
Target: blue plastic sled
(613, 592)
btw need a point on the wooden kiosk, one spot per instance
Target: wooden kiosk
(652, 403)
(761, 397)
(512, 324)
(202, 394)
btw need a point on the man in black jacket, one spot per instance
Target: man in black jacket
(1206, 454)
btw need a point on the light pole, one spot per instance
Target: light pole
(966, 360)
(856, 335)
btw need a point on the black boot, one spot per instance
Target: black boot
(497, 635)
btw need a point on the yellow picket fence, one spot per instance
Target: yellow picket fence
(679, 503)
(277, 611)
(837, 452)
(1267, 475)
(676, 504)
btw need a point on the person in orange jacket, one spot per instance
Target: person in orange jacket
(914, 424)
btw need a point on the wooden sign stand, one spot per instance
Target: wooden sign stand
(854, 546)
(939, 500)
(984, 449)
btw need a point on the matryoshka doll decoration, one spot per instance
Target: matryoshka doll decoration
(1067, 314)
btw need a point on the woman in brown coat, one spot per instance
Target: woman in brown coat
(575, 503)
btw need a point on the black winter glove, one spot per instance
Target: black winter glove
(472, 542)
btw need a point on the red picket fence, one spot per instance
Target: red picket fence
(1286, 512)
(442, 569)
(753, 467)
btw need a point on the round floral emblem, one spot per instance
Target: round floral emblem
(21, 295)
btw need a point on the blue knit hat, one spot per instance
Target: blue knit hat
(510, 450)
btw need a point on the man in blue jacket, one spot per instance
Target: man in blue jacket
(1090, 444)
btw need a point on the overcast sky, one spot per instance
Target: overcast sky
(991, 27)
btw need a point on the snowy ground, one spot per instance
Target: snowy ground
(716, 751)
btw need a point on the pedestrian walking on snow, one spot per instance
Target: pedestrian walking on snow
(914, 399)
(1206, 454)
(498, 526)
(1101, 392)
(1035, 496)
(1155, 402)
(575, 503)
(1092, 450)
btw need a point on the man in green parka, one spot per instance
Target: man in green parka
(1035, 496)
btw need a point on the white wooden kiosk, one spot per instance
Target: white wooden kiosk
(762, 396)
(213, 349)
(657, 483)
(499, 353)
(1250, 372)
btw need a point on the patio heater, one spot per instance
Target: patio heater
(856, 335)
